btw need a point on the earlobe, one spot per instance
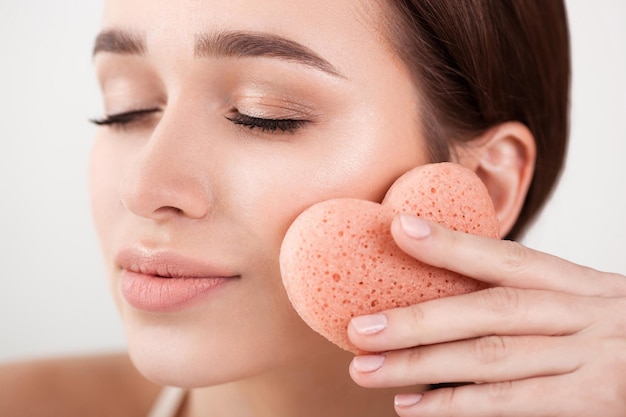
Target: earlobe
(504, 158)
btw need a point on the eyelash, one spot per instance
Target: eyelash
(123, 119)
(267, 125)
(264, 125)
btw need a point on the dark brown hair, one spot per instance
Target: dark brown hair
(479, 63)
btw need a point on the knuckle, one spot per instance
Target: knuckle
(502, 301)
(515, 257)
(413, 359)
(500, 391)
(417, 314)
(417, 317)
(491, 349)
(447, 401)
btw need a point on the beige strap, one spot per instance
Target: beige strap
(168, 403)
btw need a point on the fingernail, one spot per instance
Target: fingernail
(368, 363)
(407, 400)
(370, 324)
(414, 226)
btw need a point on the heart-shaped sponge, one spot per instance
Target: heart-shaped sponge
(338, 259)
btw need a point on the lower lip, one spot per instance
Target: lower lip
(158, 294)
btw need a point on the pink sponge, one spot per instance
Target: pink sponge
(338, 259)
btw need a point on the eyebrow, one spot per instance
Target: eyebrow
(237, 44)
(229, 44)
(119, 41)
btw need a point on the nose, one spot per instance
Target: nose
(166, 179)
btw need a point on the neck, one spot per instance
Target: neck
(320, 387)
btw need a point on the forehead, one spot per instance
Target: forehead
(341, 29)
(259, 14)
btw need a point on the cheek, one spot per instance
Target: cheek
(105, 171)
(271, 186)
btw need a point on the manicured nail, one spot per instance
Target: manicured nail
(407, 400)
(414, 226)
(370, 324)
(368, 363)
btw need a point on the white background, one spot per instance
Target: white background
(53, 295)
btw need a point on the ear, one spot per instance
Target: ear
(504, 159)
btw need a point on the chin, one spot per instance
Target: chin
(168, 357)
(194, 355)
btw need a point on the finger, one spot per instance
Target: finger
(499, 262)
(485, 359)
(538, 397)
(498, 310)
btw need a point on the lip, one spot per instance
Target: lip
(165, 281)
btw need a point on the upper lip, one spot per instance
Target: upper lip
(168, 264)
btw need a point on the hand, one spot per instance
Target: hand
(548, 339)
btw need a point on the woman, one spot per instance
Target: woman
(224, 121)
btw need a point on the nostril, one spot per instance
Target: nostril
(165, 212)
(174, 210)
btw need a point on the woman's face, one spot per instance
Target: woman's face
(229, 119)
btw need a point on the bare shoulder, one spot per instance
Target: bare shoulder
(104, 385)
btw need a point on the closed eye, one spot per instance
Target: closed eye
(267, 125)
(124, 118)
